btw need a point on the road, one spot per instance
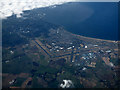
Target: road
(42, 48)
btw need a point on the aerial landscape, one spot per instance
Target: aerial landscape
(62, 46)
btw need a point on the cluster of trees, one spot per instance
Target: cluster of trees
(12, 31)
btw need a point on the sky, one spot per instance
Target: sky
(10, 7)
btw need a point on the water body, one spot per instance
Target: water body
(91, 19)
